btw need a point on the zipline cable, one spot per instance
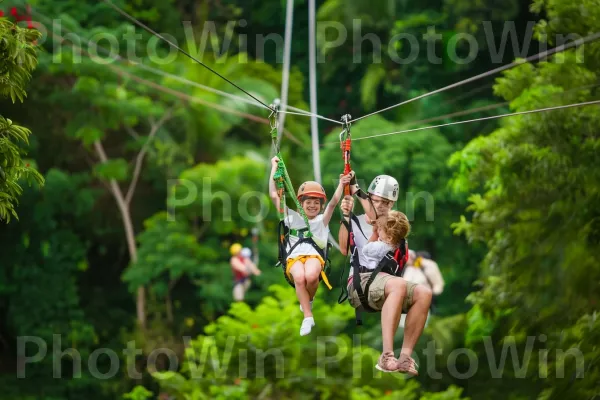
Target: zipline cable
(287, 50)
(312, 70)
(459, 113)
(312, 115)
(482, 119)
(297, 111)
(180, 95)
(140, 24)
(492, 106)
(484, 108)
(469, 94)
(492, 72)
(158, 71)
(238, 98)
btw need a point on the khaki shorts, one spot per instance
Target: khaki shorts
(377, 292)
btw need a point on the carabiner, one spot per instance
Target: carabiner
(274, 114)
(346, 122)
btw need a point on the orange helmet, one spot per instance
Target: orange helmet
(312, 189)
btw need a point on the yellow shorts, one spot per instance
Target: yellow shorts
(303, 259)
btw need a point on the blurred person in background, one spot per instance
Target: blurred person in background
(421, 269)
(242, 268)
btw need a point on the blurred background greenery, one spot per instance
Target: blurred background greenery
(91, 155)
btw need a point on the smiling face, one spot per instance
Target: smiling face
(382, 206)
(311, 206)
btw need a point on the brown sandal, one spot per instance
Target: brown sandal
(407, 365)
(387, 362)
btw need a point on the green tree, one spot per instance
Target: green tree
(42, 258)
(108, 104)
(18, 59)
(250, 353)
(534, 188)
(390, 51)
(105, 107)
(222, 203)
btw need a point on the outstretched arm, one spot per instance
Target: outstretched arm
(344, 180)
(253, 268)
(272, 188)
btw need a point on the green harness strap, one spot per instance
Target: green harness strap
(283, 184)
(283, 181)
(299, 233)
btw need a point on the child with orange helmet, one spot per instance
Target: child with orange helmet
(304, 263)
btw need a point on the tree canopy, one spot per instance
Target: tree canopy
(128, 170)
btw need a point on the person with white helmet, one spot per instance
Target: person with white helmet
(303, 258)
(242, 267)
(246, 253)
(383, 292)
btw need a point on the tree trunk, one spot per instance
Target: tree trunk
(129, 235)
(169, 307)
(124, 201)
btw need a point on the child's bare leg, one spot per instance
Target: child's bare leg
(297, 272)
(312, 270)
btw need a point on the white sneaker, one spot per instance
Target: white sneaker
(302, 310)
(307, 325)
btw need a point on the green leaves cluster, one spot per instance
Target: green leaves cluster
(43, 256)
(534, 192)
(168, 250)
(531, 188)
(18, 59)
(257, 352)
(228, 192)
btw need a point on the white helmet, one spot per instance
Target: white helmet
(384, 186)
(246, 252)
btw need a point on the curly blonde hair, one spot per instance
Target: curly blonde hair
(396, 226)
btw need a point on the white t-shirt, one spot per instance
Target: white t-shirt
(360, 239)
(428, 274)
(415, 275)
(374, 252)
(320, 233)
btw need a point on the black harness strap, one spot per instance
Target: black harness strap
(351, 251)
(388, 264)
